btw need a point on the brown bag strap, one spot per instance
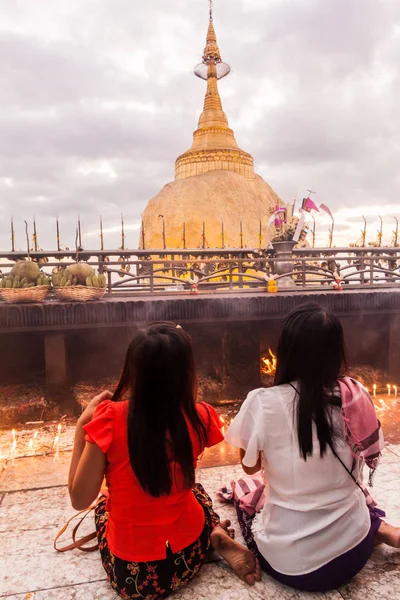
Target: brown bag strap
(79, 544)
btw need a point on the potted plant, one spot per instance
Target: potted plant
(284, 225)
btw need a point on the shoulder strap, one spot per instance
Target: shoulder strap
(79, 544)
(338, 457)
(344, 466)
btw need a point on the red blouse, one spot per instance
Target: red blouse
(139, 525)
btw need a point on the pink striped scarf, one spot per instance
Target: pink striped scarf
(363, 430)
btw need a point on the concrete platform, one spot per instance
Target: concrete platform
(34, 504)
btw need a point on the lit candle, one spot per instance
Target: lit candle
(223, 426)
(389, 387)
(13, 448)
(57, 447)
(395, 390)
(374, 388)
(35, 434)
(59, 428)
(31, 444)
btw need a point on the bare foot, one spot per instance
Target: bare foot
(225, 525)
(243, 562)
(388, 534)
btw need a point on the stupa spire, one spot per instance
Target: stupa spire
(214, 146)
(212, 59)
(211, 51)
(211, 69)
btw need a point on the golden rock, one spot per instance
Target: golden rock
(216, 199)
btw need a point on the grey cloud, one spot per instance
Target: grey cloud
(102, 80)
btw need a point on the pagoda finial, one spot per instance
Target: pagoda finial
(211, 64)
(214, 146)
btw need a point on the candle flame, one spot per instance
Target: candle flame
(59, 427)
(268, 363)
(13, 433)
(35, 434)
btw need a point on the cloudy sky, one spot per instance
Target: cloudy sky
(97, 99)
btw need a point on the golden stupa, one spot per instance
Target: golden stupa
(216, 200)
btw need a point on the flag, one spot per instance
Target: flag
(326, 209)
(278, 217)
(279, 209)
(309, 205)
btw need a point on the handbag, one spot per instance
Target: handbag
(80, 543)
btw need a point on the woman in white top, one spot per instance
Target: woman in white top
(315, 531)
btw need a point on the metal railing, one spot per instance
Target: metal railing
(142, 272)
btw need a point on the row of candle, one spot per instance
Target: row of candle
(32, 445)
(391, 389)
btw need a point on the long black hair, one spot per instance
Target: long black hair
(311, 351)
(159, 376)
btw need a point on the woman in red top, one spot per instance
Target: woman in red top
(156, 525)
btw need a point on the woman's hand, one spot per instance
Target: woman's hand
(87, 414)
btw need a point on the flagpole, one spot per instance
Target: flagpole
(143, 237)
(122, 233)
(79, 232)
(163, 231)
(12, 235)
(331, 233)
(58, 235)
(184, 233)
(364, 233)
(380, 232)
(35, 244)
(313, 231)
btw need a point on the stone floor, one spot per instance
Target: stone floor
(34, 505)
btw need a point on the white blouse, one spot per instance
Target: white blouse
(314, 511)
